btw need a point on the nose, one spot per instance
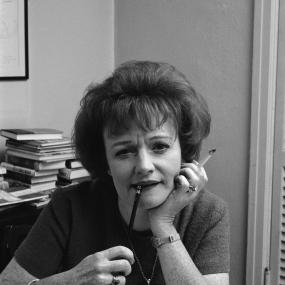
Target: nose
(144, 163)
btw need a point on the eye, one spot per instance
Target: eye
(160, 147)
(124, 152)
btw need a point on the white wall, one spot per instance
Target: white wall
(210, 41)
(71, 43)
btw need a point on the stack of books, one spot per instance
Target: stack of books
(73, 173)
(17, 193)
(3, 184)
(33, 158)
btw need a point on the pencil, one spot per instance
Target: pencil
(134, 210)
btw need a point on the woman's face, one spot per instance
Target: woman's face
(151, 159)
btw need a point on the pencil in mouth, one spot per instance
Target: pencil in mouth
(135, 206)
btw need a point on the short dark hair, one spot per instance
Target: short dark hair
(139, 92)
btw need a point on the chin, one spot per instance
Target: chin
(151, 202)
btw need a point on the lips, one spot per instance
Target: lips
(145, 184)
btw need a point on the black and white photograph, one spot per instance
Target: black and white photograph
(142, 142)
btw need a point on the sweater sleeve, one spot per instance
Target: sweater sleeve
(42, 251)
(213, 251)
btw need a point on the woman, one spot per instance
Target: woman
(140, 131)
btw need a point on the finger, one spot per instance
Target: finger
(197, 169)
(119, 252)
(119, 278)
(204, 174)
(195, 166)
(183, 186)
(182, 183)
(193, 178)
(121, 265)
(196, 162)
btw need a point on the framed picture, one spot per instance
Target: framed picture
(14, 40)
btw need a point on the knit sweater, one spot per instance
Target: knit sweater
(84, 219)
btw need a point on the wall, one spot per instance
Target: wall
(71, 43)
(210, 41)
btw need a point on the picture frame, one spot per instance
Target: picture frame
(14, 63)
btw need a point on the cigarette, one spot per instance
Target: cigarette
(203, 161)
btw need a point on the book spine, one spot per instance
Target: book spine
(72, 174)
(4, 185)
(24, 162)
(19, 169)
(19, 176)
(73, 164)
(46, 158)
(2, 170)
(65, 175)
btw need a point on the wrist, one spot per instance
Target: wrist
(56, 279)
(158, 242)
(163, 229)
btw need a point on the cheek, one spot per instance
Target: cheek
(120, 173)
(173, 167)
(175, 161)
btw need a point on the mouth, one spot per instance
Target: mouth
(145, 184)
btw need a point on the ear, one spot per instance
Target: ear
(109, 172)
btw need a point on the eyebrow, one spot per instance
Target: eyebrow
(126, 142)
(119, 143)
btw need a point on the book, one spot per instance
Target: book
(4, 185)
(22, 188)
(33, 164)
(10, 199)
(73, 163)
(30, 179)
(32, 134)
(2, 170)
(41, 157)
(47, 143)
(40, 203)
(27, 191)
(61, 182)
(73, 173)
(42, 152)
(13, 144)
(28, 171)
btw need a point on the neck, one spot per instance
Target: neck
(141, 222)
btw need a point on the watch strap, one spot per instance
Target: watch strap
(158, 242)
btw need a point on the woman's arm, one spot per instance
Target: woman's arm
(15, 274)
(98, 269)
(177, 265)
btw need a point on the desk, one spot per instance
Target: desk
(15, 223)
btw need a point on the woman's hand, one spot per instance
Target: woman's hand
(101, 267)
(192, 176)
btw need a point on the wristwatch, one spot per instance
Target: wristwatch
(158, 242)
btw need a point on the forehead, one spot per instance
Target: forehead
(166, 129)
